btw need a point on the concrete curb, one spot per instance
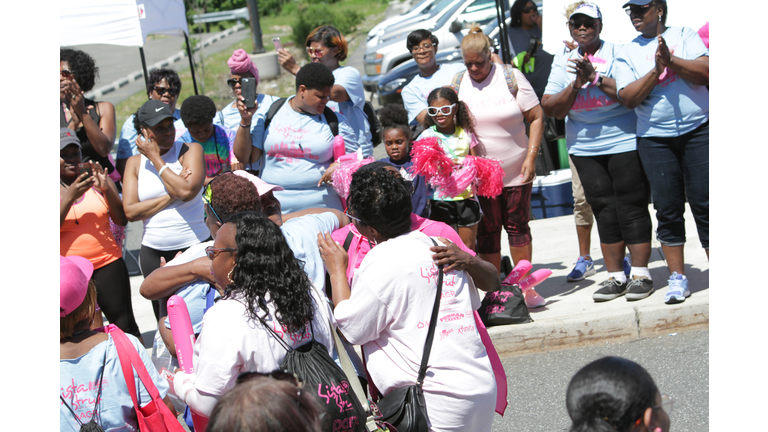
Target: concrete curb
(634, 321)
(139, 75)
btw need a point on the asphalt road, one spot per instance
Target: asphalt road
(678, 363)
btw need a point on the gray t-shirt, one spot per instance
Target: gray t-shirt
(519, 39)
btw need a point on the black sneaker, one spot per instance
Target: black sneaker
(610, 290)
(639, 287)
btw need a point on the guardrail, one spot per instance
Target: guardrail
(234, 14)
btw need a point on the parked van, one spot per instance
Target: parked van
(449, 23)
(420, 11)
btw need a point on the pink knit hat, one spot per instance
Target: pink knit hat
(240, 62)
(74, 274)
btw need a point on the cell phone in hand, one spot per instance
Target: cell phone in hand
(278, 45)
(249, 91)
(84, 167)
(533, 45)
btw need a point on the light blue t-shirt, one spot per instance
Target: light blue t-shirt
(596, 124)
(675, 106)
(79, 381)
(126, 145)
(229, 117)
(416, 92)
(298, 148)
(194, 293)
(349, 78)
(301, 235)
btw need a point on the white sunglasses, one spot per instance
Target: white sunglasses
(445, 110)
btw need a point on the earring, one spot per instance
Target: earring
(229, 275)
(659, 18)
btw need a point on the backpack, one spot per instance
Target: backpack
(330, 116)
(326, 381)
(374, 126)
(509, 75)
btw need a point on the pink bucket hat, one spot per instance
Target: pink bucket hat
(240, 62)
(74, 274)
(261, 186)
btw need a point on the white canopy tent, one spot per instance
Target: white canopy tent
(123, 22)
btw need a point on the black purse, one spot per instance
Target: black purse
(505, 306)
(404, 408)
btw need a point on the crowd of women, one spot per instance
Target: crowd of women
(248, 218)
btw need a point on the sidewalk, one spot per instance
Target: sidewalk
(570, 316)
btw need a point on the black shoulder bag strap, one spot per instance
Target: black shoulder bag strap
(432, 325)
(332, 119)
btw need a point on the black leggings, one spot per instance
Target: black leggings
(618, 192)
(113, 287)
(149, 261)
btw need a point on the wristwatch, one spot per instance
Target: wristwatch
(599, 81)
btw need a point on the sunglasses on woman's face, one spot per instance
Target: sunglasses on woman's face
(445, 110)
(587, 23)
(232, 82)
(162, 90)
(315, 52)
(637, 10)
(529, 9)
(67, 74)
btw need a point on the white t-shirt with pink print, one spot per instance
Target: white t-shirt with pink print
(389, 310)
(500, 127)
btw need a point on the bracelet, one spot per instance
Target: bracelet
(244, 126)
(160, 173)
(534, 149)
(597, 77)
(573, 88)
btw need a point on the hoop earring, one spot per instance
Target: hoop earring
(229, 275)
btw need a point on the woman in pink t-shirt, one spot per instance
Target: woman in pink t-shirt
(500, 131)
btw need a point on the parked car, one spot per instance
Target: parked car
(420, 11)
(391, 84)
(449, 24)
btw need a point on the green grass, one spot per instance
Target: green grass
(213, 74)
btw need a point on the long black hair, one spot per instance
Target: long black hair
(609, 395)
(265, 264)
(464, 117)
(381, 200)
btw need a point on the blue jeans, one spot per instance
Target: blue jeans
(678, 168)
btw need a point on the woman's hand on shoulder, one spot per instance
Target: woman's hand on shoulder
(450, 256)
(333, 254)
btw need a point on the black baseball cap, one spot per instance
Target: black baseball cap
(153, 112)
(637, 2)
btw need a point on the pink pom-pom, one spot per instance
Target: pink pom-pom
(429, 159)
(490, 175)
(342, 176)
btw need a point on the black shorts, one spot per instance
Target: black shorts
(464, 213)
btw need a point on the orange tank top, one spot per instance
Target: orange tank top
(86, 231)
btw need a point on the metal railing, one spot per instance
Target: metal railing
(234, 14)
